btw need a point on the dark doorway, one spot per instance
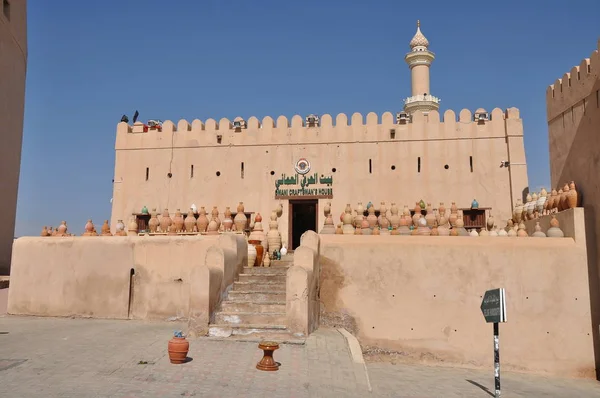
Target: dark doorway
(303, 217)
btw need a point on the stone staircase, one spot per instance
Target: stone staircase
(254, 309)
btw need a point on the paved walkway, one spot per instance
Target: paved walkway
(52, 357)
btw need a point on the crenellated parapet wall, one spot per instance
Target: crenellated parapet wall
(342, 128)
(575, 87)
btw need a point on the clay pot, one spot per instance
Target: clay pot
(338, 229)
(227, 221)
(240, 219)
(178, 221)
(153, 223)
(178, 349)
(45, 232)
(554, 231)
(202, 221)
(165, 221)
(518, 211)
(105, 229)
(371, 218)
(213, 228)
(394, 218)
(62, 229)
(382, 213)
(442, 209)
(132, 227)
(279, 209)
(190, 221)
(251, 255)
(572, 197)
(215, 216)
(259, 252)
(326, 209)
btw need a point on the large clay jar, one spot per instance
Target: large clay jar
(202, 221)
(572, 196)
(552, 200)
(442, 210)
(132, 227)
(215, 216)
(153, 223)
(190, 221)
(394, 218)
(251, 255)
(554, 231)
(227, 221)
(371, 218)
(382, 213)
(347, 220)
(165, 221)
(213, 228)
(326, 209)
(62, 229)
(120, 229)
(178, 349)
(259, 252)
(490, 222)
(430, 217)
(105, 229)
(360, 214)
(518, 211)
(240, 219)
(366, 225)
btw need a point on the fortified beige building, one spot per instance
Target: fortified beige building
(307, 161)
(396, 225)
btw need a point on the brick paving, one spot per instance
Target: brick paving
(52, 357)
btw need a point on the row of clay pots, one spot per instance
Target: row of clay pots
(90, 230)
(210, 224)
(541, 204)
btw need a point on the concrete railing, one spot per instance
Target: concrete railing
(303, 285)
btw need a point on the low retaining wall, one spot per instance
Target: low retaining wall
(420, 296)
(144, 277)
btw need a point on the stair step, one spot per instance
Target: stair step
(264, 270)
(228, 330)
(250, 306)
(237, 318)
(256, 336)
(255, 297)
(262, 278)
(259, 286)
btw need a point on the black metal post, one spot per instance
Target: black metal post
(497, 359)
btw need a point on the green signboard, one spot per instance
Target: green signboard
(299, 185)
(493, 306)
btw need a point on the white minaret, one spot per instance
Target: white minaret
(419, 60)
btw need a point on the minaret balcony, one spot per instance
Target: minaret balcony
(421, 102)
(420, 57)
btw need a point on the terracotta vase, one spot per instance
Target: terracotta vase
(251, 255)
(105, 229)
(153, 223)
(45, 231)
(382, 213)
(215, 216)
(518, 211)
(259, 252)
(165, 221)
(190, 221)
(554, 231)
(213, 228)
(132, 227)
(240, 219)
(430, 216)
(178, 221)
(227, 221)
(442, 209)
(339, 230)
(371, 218)
(573, 196)
(202, 221)
(178, 349)
(394, 218)
(62, 229)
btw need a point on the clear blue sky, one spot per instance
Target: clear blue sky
(92, 61)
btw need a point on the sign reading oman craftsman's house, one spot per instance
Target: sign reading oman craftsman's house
(301, 183)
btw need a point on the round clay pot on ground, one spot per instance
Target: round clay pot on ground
(178, 349)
